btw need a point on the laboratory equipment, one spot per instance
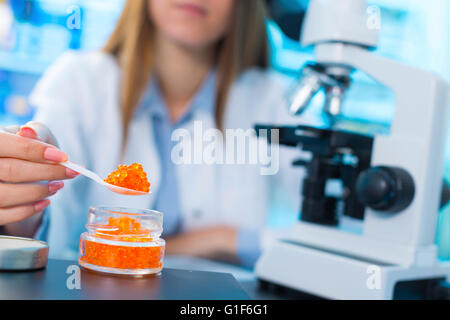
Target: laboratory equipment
(378, 234)
(122, 241)
(36, 33)
(22, 254)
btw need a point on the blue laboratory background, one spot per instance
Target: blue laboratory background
(413, 31)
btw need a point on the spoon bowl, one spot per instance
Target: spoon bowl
(93, 176)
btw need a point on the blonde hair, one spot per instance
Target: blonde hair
(243, 47)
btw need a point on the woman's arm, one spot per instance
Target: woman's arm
(218, 243)
(26, 228)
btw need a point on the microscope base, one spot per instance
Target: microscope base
(331, 275)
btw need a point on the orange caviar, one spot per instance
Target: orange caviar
(115, 255)
(121, 257)
(123, 229)
(131, 177)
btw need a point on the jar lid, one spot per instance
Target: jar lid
(22, 253)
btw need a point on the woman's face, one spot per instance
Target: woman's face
(192, 23)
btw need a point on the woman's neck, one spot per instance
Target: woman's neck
(180, 72)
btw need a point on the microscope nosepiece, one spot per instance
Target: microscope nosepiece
(334, 80)
(301, 94)
(334, 98)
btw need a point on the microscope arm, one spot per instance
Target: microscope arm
(388, 72)
(415, 90)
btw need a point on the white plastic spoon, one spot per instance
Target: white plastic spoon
(93, 176)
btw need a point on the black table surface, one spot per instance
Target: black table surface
(51, 283)
(54, 283)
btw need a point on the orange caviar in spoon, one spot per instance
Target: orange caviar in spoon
(130, 177)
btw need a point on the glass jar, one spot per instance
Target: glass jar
(122, 241)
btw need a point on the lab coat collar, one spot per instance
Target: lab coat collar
(152, 104)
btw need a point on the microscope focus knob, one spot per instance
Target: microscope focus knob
(385, 188)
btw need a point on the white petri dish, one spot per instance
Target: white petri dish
(22, 254)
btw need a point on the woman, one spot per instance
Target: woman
(169, 64)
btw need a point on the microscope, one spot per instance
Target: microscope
(378, 235)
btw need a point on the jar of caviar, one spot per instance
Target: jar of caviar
(122, 241)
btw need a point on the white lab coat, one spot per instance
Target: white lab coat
(78, 98)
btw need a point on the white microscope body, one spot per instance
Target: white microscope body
(330, 261)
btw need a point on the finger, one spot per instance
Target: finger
(18, 194)
(16, 170)
(38, 131)
(19, 213)
(15, 146)
(28, 133)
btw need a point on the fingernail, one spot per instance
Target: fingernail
(27, 132)
(41, 205)
(55, 186)
(71, 174)
(53, 154)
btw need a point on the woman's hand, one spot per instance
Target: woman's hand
(213, 243)
(25, 163)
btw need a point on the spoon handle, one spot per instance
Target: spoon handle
(83, 171)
